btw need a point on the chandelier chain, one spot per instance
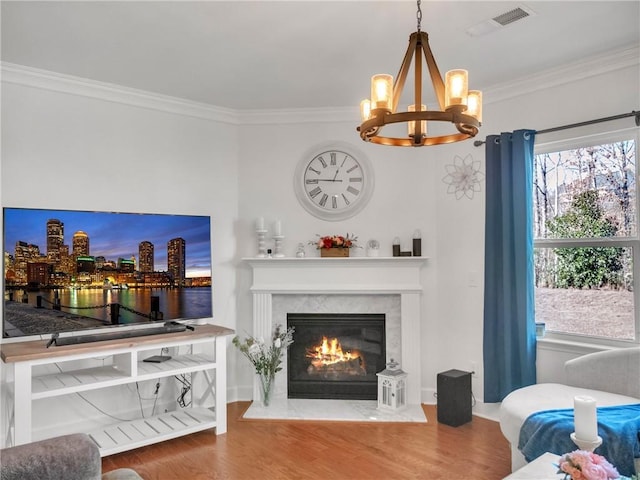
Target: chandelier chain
(419, 14)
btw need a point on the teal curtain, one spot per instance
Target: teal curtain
(509, 323)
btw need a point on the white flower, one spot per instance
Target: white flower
(267, 360)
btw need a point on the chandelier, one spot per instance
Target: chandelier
(457, 104)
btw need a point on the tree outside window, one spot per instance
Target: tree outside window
(585, 230)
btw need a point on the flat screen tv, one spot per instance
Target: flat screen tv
(69, 271)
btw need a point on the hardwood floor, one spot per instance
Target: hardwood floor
(263, 449)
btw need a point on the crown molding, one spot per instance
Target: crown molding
(47, 80)
(590, 67)
(299, 115)
(58, 82)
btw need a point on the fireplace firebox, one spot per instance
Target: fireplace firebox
(335, 355)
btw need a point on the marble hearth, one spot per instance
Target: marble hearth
(388, 285)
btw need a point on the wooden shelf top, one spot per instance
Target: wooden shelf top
(37, 349)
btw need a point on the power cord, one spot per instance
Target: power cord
(92, 404)
(139, 400)
(184, 391)
(473, 398)
(154, 398)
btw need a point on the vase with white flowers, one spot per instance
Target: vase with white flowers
(266, 359)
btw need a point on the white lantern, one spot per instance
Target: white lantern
(392, 387)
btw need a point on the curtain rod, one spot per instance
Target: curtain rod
(477, 143)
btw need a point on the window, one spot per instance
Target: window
(586, 243)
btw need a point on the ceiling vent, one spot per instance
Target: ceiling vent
(499, 21)
(511, 16)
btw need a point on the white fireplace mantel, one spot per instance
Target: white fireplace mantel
(342, 276)
(374, 275)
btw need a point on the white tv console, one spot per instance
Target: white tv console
(206, 362)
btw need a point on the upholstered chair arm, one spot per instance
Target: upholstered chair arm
(614, 371)
(68, 457)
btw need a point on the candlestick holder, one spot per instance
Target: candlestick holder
(278, 239)
(588, 445)
(262, 247)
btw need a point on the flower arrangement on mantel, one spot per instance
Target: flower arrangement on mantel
(335, 245)
(266, 358)
(584, 465)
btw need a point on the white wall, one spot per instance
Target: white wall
(66, 151)
(403, 200)
(90, 151)
(410, 193)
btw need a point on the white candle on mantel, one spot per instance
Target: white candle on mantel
(260, 223)
(278, 228)
(585, 418)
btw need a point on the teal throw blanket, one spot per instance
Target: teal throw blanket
(619, 427)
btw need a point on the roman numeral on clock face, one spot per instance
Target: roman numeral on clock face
(315, 192)
(332, 183)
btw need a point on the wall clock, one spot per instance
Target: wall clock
(333, 182)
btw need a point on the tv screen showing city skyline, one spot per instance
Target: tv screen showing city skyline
(85, 270)
(115, 235)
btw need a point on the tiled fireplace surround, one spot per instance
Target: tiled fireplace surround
(389, 285)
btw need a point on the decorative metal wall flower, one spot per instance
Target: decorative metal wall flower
(463, 177)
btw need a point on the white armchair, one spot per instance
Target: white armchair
(612, 377)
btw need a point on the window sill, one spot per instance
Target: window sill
(549, 343)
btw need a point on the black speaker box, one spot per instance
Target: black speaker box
(454, 397)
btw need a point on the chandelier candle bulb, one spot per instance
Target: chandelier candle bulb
(585, 418)
(456, 88)
(382, 91)
(411, 126)
(474, 104)
(365, 109)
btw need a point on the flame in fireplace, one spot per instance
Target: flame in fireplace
(329, 352)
